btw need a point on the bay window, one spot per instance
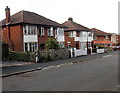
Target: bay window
(30, 46)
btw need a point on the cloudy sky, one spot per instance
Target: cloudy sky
(100, 14)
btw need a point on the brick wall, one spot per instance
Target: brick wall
(69, 39)
(16, 36)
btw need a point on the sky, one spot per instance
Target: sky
(100, 14)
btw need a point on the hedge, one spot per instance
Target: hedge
(5, 51)
(21, 56)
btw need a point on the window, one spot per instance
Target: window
(30, 46)
(26, 46)
(61, 31)
(56, 32)
(83, 34)
(25, 29)
(34, 30)
(106, 37)
(83, 45)
(41, 31)
(89, 44)
(30, 30)
(50, 31)
(89, 34)
(61, 44)
(71, 34)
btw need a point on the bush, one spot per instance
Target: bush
(20, 56)
(52, 43)
(5, 51)
(43, 56)
(101, 47)
(94, 50)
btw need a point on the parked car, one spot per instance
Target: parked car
(118, 47)
(114, 48)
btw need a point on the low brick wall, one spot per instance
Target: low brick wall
(59, 54)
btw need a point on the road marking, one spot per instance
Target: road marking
(107, 56)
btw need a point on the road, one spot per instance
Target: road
(14, 69)
(100, 74)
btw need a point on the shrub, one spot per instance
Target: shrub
(20, 56)
(94, 50)
(5, 51)
(101, 47)
(52, 43)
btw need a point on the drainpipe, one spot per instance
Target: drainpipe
(9, 41)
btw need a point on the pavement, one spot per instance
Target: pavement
(96, 74)
(14, 67)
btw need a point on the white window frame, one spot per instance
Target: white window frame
(33, 46)
(50, 31)
(30, 29)
(41, 31)
(71, 34)
(83, 45)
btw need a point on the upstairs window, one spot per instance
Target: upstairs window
(61, 31)
(25, 29)
(30, 30)
(83, 34)
(71, 34)
(106, 37)
(50, 31)
(56, 32)
(41, 31)
(89, 34)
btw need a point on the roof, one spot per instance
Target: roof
(74, 26)
(98, 32)
(103, 42)
(31, 18)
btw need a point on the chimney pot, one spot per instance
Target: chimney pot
(70, 19)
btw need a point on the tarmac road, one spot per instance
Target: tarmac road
(100, 74)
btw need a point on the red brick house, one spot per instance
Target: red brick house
(102, 38)
(118, 39)
(28, 31)
(77, 36)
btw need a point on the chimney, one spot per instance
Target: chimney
(70, 19)
(7, 12)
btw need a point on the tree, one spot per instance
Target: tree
(52, 43)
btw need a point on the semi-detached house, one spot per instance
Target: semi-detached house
(102, 38)
(28, 31)
(78, 37)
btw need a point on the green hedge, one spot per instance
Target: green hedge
(21, 56)
(101, 47)
(5, 51)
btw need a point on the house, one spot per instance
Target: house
(28, 31)
(78, 37)
(102, 38)
(114, 38)
(118, 39)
